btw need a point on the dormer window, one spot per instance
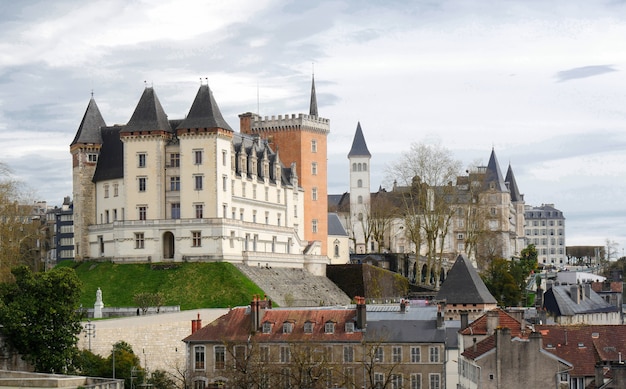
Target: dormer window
(308, 327)
(329, 327)
(267, 327)
(287, 327)
(349, 327)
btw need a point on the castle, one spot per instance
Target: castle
(192, 189)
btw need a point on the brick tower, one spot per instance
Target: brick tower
(301, 139)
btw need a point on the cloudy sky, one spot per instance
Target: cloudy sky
(541, 82)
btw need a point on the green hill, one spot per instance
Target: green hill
(190, 285)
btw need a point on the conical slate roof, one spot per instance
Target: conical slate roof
(494, 174)
(359, 147)
(313, 105)
(89, 129)
(510, 178)
(149, 114)
(464, 286)
(204, 112)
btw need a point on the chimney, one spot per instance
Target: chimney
(464, 320)
(440, 315)
(196, 324)
(536, 339)
(361, 313)
(245, 122)
(587, 288)
(254, 313)
(574, 293)
(493, 321)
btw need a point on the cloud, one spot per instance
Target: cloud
(584, 72)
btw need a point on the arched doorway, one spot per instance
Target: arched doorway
(168, 245)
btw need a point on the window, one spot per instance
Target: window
(360, 200)
(349, 327)
(116, 190)
(396, 381)
(265, 353)
(365, 167)
(348, 354)
(314, 226)
(308, 327)
(106, 191)
(348, 374)
(141, 160)
(175, 183)
(224, 157)
(359, 183)
(285, 354)
(196, 239)
(379, 380)
(314, 168)
(199, 357)
(243, 189)
(139, 240)
(143, 211)
(175, 160)
(232, 239)
(314, 194)
(434, 354)
(92, 157)
(197, 182)
(197, 157)
(415, 355)
(416, 381)
(435, 381)
(141, 181)
(329, 327)
(379, 354)
(198, 208)
(287, 327)
(175, 207)
(314, 146)
(396, 353)
(220, 357)
(267, 327)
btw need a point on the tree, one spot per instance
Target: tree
(145, 300)
(127, 364)
(160, 379)
(501, 282)
(429, 171)
(40, 319)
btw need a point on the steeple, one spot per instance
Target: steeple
(89, 129)
(493, 177)
(510, 179)
(149, 114)
(313, 105)
(464, 286)
(359, 147)
(204, 112)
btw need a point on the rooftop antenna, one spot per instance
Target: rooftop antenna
(200, 81)
(145, 83)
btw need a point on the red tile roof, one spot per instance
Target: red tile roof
(480, 348)
(479, 326)
(236, 326)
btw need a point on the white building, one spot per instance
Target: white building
(545, 228)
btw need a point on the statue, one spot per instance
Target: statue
(97, 307)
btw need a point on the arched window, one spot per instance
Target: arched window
(360, 216)
(336, 250)
(359, 183)
(360, 167)
(360, 200)
(354, 167)
(365, 167)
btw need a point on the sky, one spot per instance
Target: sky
(540, 82)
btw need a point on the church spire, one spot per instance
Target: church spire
(313, 106)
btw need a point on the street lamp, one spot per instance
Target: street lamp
(90, 330)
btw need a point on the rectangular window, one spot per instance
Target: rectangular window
(314, 194)
(196, 239)
(308, 327)
(349, 327)
(348, 354)
(198, 208)
(224, 183)
(243, 189)
(348, 373)
(314, 168)
(116, 190)
(224, 157)
(329, 327)
(106, 191)
(379, 355)
(197, 182)
(232, 239)
(199, 357)
(141, 160)
(314, 146)
(285, 354)
(396, 381)
(415, 355)
(143, 212)
(314, 226)
(435, 381)
(139, 240)
(141, 181)
(220, 357)
(416, 381)
(175, 160)
(92, 157)
(175, 184)
(265, 353)
(396, 352)
(197, 157)
(379, 380)
(434, 354)
(175, 210)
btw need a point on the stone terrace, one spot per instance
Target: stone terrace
(295, 287)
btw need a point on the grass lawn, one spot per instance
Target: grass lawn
(190, 285)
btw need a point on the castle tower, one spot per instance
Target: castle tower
(301, 139)
(359, 157)
(85, 150)
(517, 199)
(497, 200)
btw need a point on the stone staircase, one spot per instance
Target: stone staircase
(295, 287)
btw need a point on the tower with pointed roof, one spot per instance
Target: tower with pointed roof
(159, 189)
(301, 139)
(359, 157)
(85, 150)
(518, 219)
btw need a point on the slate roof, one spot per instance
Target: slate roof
(204, 112)
(334, 226)
(89, 129)
(510, 179)
(313, 105)
(558, 300)
(111, 159)
(149, 114)
(359, 147)
(405, 331)
(464, 286)
(494, 174)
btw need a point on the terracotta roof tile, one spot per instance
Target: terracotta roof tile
(479, 326)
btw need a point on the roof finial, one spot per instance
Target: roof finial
(200, 81)
(92, 93)
(313, 105)
(145, 83)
